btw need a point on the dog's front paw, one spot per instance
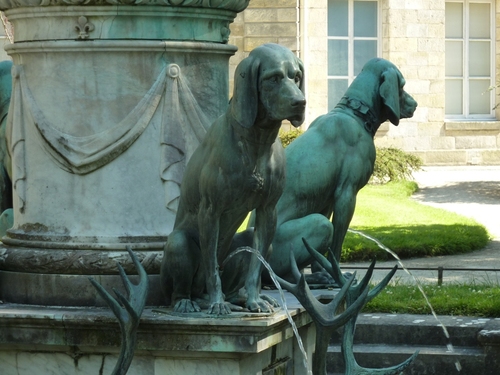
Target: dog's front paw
(260, 305)
(186, 306)
(219, 308)
(270, 300)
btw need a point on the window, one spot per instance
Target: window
(469, 60)
(353, 39)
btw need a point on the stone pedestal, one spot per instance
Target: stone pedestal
(71, 341)
(108, 104)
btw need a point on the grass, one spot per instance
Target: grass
(409, 228)
(482, 300)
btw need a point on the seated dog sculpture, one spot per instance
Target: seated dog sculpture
(332, 161)
(238, 167)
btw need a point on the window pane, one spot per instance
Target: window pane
(479, 20)
(337, 17)
(336, 89)
(454, 59)
(364, 50)
(479, 59)
(453, 94)
(479, 97)
(454, 20)
(365, 18)
(337, 58)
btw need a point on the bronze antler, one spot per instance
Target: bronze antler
(323, 315)
(127, 310)
(353, 295)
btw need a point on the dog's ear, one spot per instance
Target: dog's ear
(389, 91)
(302, 87)
(245, 100)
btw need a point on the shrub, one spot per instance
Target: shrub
(289, 136)
(393, 164)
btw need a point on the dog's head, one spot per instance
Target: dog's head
(396, 103)
(269, 84)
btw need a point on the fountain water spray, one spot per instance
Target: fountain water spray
(449, 346)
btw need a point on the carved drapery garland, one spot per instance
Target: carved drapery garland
(183, 127)
(234, 5)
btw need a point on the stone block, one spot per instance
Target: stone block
(403, 44)
(436, 5)
(251, 43)
(491, 157)
(237, 30)
(430, 129)
(287, 15)
(431, 16)
(261, 15)
(272, 3)
(271, 29)
(386, 141)
(289, 42)
(436, 30)
(417, 30)
(421, 114)
(436, 115)
(442, 143)
(416, 143)
(430, 72)
(431, 100)
(416, 4)
(446, 157)
(417, 87)
(431, 44)
(469, 142)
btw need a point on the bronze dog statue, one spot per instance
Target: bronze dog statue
(332, 161)
(238, 167)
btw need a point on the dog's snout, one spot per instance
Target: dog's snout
(299, 102)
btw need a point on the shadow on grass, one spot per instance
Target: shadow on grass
(483, 192)
(414, 241)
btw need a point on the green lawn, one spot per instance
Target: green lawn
(451, 299)
(409, 228)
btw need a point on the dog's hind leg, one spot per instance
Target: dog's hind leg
(343, 211)
(180, 273)
(315, 228)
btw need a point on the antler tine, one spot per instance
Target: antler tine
(382, 284)
(125, 280)
(331, 267)
(292, 288)
(294, 268)
(108, 298)
(324, 314)
(127, 310)
(355, 291)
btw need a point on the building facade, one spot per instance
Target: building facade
(447, 51)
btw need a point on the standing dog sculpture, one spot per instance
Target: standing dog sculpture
(238, 167)
(332, 161)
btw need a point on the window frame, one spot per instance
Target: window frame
(350, 38)
(466, 78)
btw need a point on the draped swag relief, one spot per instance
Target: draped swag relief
(183, 123)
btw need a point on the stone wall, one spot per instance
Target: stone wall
(413, 37)
(280, 21)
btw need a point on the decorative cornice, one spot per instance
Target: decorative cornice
(233, 5)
